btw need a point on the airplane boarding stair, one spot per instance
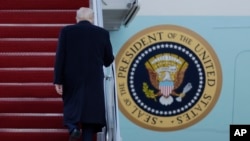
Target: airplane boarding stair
(30, 109)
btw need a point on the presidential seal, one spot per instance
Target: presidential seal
(168, 78)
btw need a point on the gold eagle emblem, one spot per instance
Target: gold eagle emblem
(166, 73)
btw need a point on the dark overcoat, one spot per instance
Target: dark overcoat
(83, 50)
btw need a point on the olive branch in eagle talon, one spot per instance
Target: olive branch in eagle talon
(148, 92)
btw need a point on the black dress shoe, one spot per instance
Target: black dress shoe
(75, 134)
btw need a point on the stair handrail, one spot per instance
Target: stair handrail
(113, 127)
(112, 131)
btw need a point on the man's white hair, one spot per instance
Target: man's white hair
(85, 13)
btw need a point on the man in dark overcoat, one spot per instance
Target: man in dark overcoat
(83, 50)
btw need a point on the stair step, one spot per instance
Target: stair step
(31, 105)
(24, 59)
(26, 75)
(28, 45)
(43, 4)
(38, 16)
(36, 90)
(9, 134)
(31, 120)
(30, 30)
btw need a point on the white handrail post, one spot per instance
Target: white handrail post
(96, 5)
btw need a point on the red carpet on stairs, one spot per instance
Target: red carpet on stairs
(30, 109)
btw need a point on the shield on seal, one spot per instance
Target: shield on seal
(166, 87)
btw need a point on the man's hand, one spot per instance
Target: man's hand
(59, 89)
